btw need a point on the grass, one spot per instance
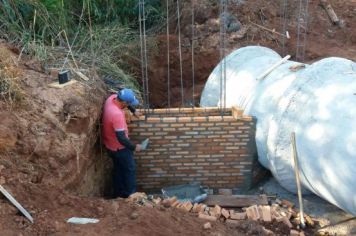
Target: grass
(102, 34)
(10, 91)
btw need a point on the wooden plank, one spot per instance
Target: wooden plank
(57, 85)
(16, 203)
(236, 200)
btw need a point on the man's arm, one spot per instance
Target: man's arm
(121, 137)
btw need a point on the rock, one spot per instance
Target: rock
(63, 200)
(53, 163)
(100, 211)
(148, 204)
(157, 201)
(231, 22)
(239, 34)
(137, 197)
(294, 233)
(134, 215)
(207, 225)
(202, 12)
(214, 26)
(2, 180)
(8, 135)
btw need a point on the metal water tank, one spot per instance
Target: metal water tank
(317, 102)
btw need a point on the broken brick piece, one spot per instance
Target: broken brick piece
(216, 211)
(309, 220)
(238, 216)
(195, 208)
(169, 201)
(187, 206)
(207, 217)
(177, 204)
(276, 215)
(137, 197)
(287, 222)
(157, 200)
(225, 213)
(266, 213)
(207, 225)
(201, 208)
(253, 212)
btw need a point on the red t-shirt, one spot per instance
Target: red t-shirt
(113, 120)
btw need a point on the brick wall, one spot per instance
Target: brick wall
(189, 145)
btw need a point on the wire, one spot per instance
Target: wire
(145, 54)
(284, 7)
(180, 54)
(142, 62)
(302, 29)
(168, 59)
(193, 65)
(222, 56)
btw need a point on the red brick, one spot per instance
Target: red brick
(154, 120)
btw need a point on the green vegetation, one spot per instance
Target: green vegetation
(101, 33)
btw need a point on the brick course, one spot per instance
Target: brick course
(199, 144)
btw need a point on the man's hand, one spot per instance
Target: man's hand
(138, 148)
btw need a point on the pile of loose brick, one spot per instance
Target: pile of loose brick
(280, 210)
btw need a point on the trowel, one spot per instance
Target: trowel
(144, 144)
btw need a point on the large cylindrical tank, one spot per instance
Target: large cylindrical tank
(317, 102)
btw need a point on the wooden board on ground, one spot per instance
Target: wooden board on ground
(57, 85)
(236, 200)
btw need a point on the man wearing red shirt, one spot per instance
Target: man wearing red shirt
(116, 140)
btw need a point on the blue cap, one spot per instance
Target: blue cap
(128, 96)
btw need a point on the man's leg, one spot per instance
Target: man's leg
(128, 172)
(117, 181)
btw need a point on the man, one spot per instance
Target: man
(116, 139)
